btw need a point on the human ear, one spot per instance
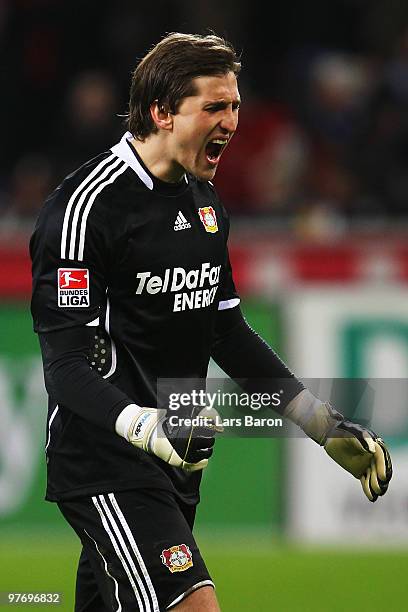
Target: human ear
(161, 115)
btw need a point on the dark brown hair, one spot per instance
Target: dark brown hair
(166, 74)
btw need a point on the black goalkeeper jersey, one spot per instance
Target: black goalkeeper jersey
(144, 265)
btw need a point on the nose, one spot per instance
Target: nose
(229, 121)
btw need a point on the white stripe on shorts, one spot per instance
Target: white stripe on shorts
(118, 551)
(189, 591)
(52, 417)
(136, 551)
(119, 608)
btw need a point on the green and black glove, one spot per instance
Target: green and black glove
(355, 448)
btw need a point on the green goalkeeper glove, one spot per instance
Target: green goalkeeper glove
(362, 453)
(184, 440)
(355, 448)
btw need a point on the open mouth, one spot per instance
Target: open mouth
(214, 149)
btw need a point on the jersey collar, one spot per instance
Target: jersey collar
(127, 153)
(124, 152)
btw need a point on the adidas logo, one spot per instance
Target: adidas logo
(181, 222)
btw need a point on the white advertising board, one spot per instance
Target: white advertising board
(349, 333)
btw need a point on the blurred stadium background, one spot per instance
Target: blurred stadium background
(316, 183)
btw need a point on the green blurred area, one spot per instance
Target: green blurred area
(251, 574)
(237, 489)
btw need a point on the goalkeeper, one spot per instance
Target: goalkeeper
(132, 283)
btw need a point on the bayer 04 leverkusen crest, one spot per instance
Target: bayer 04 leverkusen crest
(177, 558)
(208, 219)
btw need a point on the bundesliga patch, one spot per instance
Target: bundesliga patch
(73, 288)
(208, 219)
(177, 558)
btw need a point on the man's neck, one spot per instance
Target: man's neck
(154, 157)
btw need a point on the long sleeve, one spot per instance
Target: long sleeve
(249, 360)
(73, 384)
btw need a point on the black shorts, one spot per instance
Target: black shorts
(138, 552)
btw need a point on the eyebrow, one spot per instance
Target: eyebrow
(222, 102)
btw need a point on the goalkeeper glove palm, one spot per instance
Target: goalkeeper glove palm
(357, 449)
(362, 453)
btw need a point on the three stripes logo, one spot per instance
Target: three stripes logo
(181, 222)
(81, 202)
(128, 554)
